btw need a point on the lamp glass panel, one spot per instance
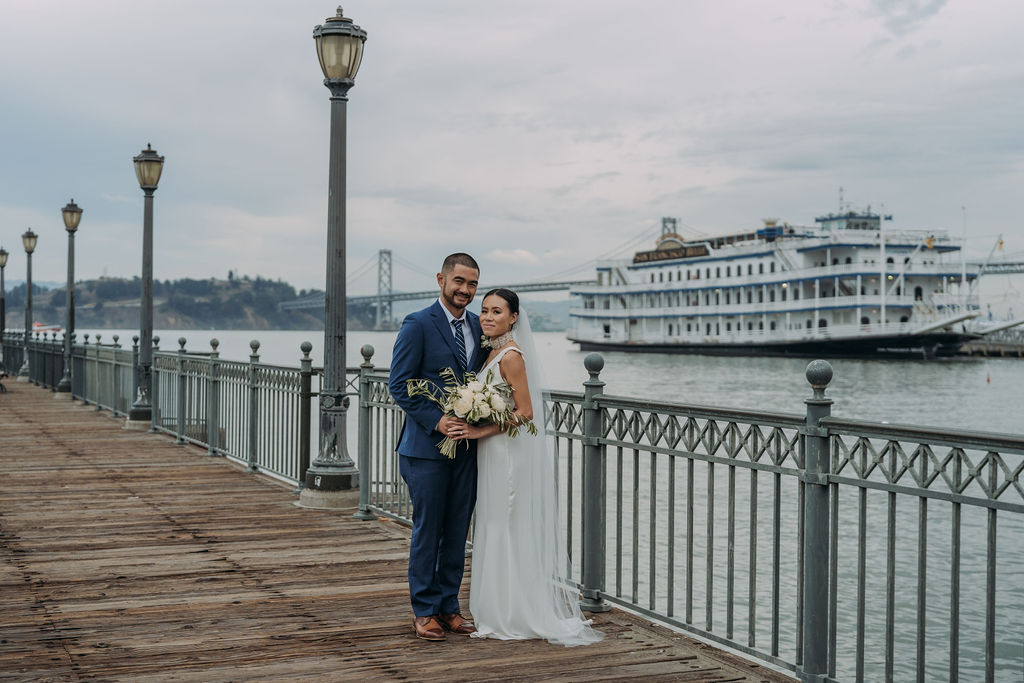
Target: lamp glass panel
(72, 219)
(340, 55)
(148, 172)
(3, 258)
(29, 241)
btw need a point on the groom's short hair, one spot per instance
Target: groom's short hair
(459, 259)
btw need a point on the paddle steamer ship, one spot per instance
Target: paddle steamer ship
(846, 286)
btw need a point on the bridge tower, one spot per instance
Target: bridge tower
(383, 290)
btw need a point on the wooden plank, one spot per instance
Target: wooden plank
(125, 556)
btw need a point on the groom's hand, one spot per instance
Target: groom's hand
(449, 422)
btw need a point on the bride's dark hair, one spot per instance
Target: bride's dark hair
(510, 297)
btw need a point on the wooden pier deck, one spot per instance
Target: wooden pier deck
(124, 556)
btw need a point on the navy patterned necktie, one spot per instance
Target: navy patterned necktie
(460, 346)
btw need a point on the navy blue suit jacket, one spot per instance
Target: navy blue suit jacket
(425, 346)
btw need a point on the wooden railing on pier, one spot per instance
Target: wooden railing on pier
(124, 556)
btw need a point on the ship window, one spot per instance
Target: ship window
(679, 274)
(904, 318)
(864, 320)
(607, 331)
(863, 290)
(661, 277)
(750, 326)
(809, 324)
(750, 269)
(771, 295)
(718, 328)
(849, 260)
(728, 327)
(835, 262)
(906, 260)
(718, 271)
(796, 294)
(889, 260)
(707, 330)
(727, 298)
(771, 266)
(728, 271)
(750, 297)
(652, 277)
(771, 325)
(822, 323)
(688, 327)
(760, 296)
(760, 325)
(784, 295)
(760, 268)
(707, 272)
(918, 294)
(670, 329)
(687, 274)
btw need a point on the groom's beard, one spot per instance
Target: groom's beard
(451, 295)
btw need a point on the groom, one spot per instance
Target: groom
(443, 491)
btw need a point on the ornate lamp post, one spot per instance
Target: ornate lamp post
(72, 217)
(28, 240)
(3, 301)
(339, 46)
(148, 166)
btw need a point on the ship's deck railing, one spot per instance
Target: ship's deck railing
(700, 335)
(838, 549)
(843, 270)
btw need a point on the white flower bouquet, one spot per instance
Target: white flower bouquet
(474, 401)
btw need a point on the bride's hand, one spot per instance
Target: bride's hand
(457, 429)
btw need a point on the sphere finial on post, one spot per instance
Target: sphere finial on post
(819, 374)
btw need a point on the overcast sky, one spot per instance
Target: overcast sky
(535, 135)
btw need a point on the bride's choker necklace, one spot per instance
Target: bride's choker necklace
(496, 342)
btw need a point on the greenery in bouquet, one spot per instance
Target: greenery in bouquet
(474, 401)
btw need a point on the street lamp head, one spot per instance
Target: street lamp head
(29, 239)
(339, 45)
(72, 216)
(3, 257)
(148, 166)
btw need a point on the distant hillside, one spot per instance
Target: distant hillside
(236, 303)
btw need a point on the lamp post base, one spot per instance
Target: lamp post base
(330, 487)
(139, 418)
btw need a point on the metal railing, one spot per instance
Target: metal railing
(833, 548)
(802, 540)
(254, 414)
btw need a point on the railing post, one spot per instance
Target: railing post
(181, 391)
(593, 491)
(87, 374)
(364, 435)
(154, 388)
(115, 385)
(33, 354)
(213, 401)
(99, 373)
(135, 370)
(55, 371)
(305, 410)
(254, 359)
(817, 467)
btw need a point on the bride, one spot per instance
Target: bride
(519, 587)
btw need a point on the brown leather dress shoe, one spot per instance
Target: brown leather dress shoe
(427, 628)
(456, 623)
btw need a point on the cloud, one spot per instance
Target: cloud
(514, 256)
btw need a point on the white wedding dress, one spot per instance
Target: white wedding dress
(518, 588)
